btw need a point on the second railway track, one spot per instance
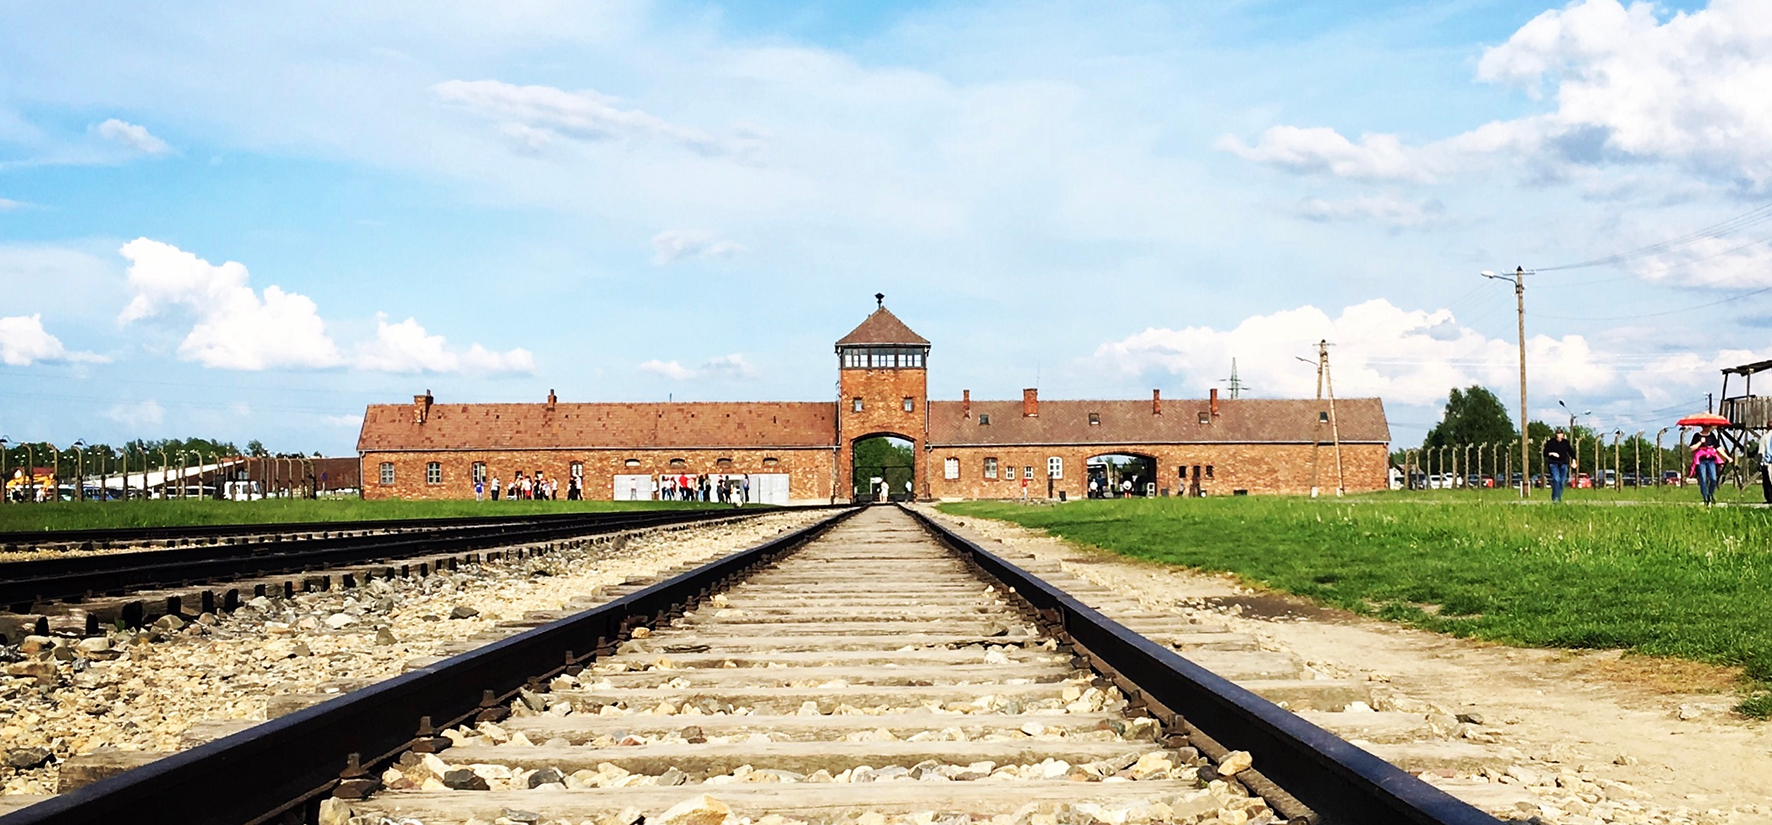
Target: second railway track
(883, 668)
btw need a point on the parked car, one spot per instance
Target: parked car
(1629, 480)
(1474, 480)
(1671, 478)
(1583, 481)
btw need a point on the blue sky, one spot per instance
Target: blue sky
(251, 221)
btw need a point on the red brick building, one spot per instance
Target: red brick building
(803, 451)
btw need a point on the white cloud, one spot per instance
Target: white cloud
(23, 341)
(1628, 87)
(1390, 210)
(147, 413)
(1402, 356)
(532, 116)
(673, 245)
(1323, 150)
(8, 204)
(132, 136)
(406, 347)
(732, 367)
(1723, 263)
(235, 328)
(350, 421)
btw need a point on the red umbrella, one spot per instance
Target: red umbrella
(1703, 420)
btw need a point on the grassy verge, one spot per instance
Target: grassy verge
(175, 513)
(1687, 582)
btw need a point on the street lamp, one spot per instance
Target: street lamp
(1520, 306)
(1617, 466)
(5, 494)
(1658, 435)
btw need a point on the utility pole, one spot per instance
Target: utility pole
(1324, 382)
(1334, 426)
(1234, 385)
(1520, 307)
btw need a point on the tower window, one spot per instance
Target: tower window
(910, 404)
(856, 404)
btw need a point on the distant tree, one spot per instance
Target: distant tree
(1473, 416)
(256, 449)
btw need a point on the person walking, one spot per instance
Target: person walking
(1707, 458)
(1559, 456)
(1766, 462)
(479, 489)
(495, 488)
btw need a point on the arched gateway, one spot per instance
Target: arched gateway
(779, 452)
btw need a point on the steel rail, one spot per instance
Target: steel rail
(132, 535)
(23, 583)
(287, 763)
(1339, 781)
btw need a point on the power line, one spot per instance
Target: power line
(1754, 217)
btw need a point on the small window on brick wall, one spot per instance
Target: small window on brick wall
(632, 462)
(1208, 471)
(1055, 467)
(771, 461)
(479, 472)
(856, 404)
(1009, 472)
(950, 468)
(433, 473)
(910, 404)
(723, 463)
(387, 472)
(578, 469)
(678, 463)
(990, 468)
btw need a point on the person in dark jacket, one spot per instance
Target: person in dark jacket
(1559, 455)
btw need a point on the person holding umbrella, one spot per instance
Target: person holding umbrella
(1707, 452)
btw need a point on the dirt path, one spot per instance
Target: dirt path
(1663, 729)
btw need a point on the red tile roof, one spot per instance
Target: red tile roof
(792, 424)
(881, 328)
(1243, 421)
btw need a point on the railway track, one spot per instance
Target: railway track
(100, 538)
(874, 664)
(80, 593)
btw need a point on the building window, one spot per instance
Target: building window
(1208, 471)
(1322, 416)
(771, 461)
(910, 404)
(632, 462)
(1205, 418)
(882, 357)
(1009, 472)
(1055, 467)
(387, 472)
(1095, 419)
(678, 463)
(1028, 472)
(990, 468)
(723, 463)
(856, 404)
(984, 419)
(433, 473)
(950, 468)
(479, 472)
(578, 469)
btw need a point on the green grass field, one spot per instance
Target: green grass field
(173, 513)
(1688, 582)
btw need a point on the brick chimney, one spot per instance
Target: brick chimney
(421, 407)
(1156, 402)
(966, 403)
(551, 400)
(1214, 402)
(1030, 403)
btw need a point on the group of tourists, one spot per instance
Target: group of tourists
(1708, 458)
(703, 487)
(529, 488)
